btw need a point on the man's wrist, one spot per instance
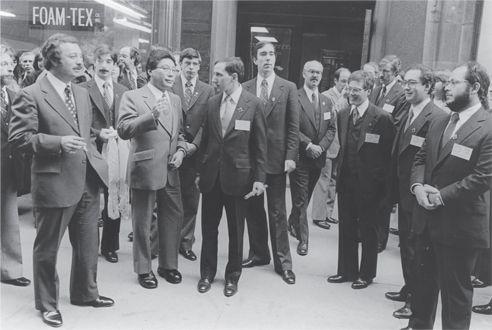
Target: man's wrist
(415, 185)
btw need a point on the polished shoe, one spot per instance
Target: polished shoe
(100, 301)
(21, 281)
(148, 281)
(394, 231)
(477, 283)
(396, 296)
(302, 249)
(381, 248)
(204, 285)
(337, 279)
(171, 275)
(360, 284)
(52, 318)
(289, 277)
(110, 256)
(403, 313)
(322, 224)
(188, 254)
(130, 236)
(251, 262)
(483, 309)
(230, 288)
(331, 220)
(293, 232)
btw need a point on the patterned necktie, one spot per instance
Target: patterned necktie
(70, 105)
(355, 115)
(226, 113)
(409, 121)
(450, 129)
(314, 101)
(381, 95)
(108, 98)
(131, 80)
(188, 94)
(3, 101)
(264, 90)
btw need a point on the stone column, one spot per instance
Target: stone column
(167, 20)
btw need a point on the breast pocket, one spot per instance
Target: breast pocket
(143, 155)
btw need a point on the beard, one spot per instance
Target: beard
(460, 101)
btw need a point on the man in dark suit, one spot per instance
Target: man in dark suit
(11, 261)
(409, 139)
(281, 109)
(317, 129)
(451, 177)
(52, 119)
(194, 95)
(128, 60)
(151, 117)
(366, 134)
(233, 157)
(105, 98)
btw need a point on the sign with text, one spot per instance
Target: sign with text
(80, 16)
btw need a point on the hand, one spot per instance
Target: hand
(190, 148)
(177, 159)
(435, 199)
(422, 198)
(107, 133)
(197, 182)
(72, 143)
(316, 150)
(258, 189)
(289, 166)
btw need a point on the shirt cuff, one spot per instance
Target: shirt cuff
(412, 188)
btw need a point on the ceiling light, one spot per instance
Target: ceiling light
(143, 41)
(131, 25)
(259, 29)
(266, 39)
(121, 8)
(6, 14)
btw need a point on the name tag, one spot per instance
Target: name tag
(372, 138)
(461, 151)
(388, 107)
(242, 125)
(326, 115)
(417, 141)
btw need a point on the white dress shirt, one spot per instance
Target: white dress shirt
(60, 86)
(270, 80)
(100, 84)
(362, 108)
(465, 115)
(417, 109)
(184, 81)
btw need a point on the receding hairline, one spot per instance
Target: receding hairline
(312, 63)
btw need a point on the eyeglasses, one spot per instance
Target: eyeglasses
(454, 82)
(410, 83)
(315, 72)
(168, 69)
(354, 90)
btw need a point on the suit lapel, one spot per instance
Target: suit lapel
(307, 107)
(367, 124)
(56, 103)
(196, 93)
(241, 109)
(149, 99)
(216, 115)
(344, 121)
(275, 95)
(415, 127)
(97, 98)
(81, 107)
(118, 92)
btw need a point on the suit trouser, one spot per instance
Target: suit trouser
(302, 182)
(110, 241)
(235, 206)
(191, 196)
(277, 217)
(324, 192)
(383, 228)
(406, 249)
(51, 223)
(11, 262)
(169, 221)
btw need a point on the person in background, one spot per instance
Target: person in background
(439, 95)
(128, 60)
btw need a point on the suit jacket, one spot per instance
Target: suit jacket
(322, 133)
(6, 160)
(403, 153)
(463, 221)
(282, 116)
(394, 97)
(374, 158)
(238, 158)
(39, 120)
(152, 143)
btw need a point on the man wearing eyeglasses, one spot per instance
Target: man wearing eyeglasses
(151, 117)
(366, 134)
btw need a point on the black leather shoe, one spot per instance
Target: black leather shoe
(148, 281)
(21, 281)
(204, 285)
(396, 296)
(289, 277)
(360, 284)
(130, 236)
(394, 231)
(171, 275)
(337, 279)
(331, 220)
(52, 318)
(477, 283)
(188, 254)
(110, 256)
(322, 224)
(483, 309)
(403, 313)
(230, 288)
(302, 249)
(100, 301)
(251, 262)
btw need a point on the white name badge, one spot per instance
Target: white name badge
(242, 125)
(417, 141)
(461, 151)
(326, 115)
(388, 107)
(372, 138)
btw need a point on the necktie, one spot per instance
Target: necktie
(264, 90)
(131, 80)
(3, 101)
(163, 105)
(381, 95)
(188, 93)
(314, 101)
(409, 121)
(107, 94)
(226, 113)
(450, 129)
(70, 105)
(355, 115)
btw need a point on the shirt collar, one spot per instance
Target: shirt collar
(100, 82)
(467, 113)
(193, 81)
(362, 107)
(57, 83)
(417, 108)
(336, 92)
(390, 85)
(234, 96)
(309, 92)
(156, 92)
(269, 80)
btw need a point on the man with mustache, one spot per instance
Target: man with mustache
(52, 120)
(317, 129)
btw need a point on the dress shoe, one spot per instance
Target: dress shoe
(289, 277)
(394, 231)
(322, 224)
(403, 313)
(130, 236)
(230, 288)
(52, 318)
(204, 285)
(171, 275)
(396, 296)
(337, 279)
(302, 249)
(477, 283)
(110, 256)
(100, 301)
(188, 254)
(148, 281)
(21, 281)
(331, 220)
(251, 262)
(483, 309)
(360, 284)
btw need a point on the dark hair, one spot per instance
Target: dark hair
(259, 45)
(155, 56)
(104, 49)
(36, 60)
(476, 73)
(394, 61)
(442, 76)
(339, 72)
(51, 48)
(135, 54)
(189, 53)
(363, 77)
(427, 77)
(233, 65)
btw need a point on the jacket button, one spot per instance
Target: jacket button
(187, 126)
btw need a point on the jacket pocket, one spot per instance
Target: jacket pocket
(143, 155)
(242, 163)
(47, 165)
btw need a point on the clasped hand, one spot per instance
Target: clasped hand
(428, 197)
(258, 189)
